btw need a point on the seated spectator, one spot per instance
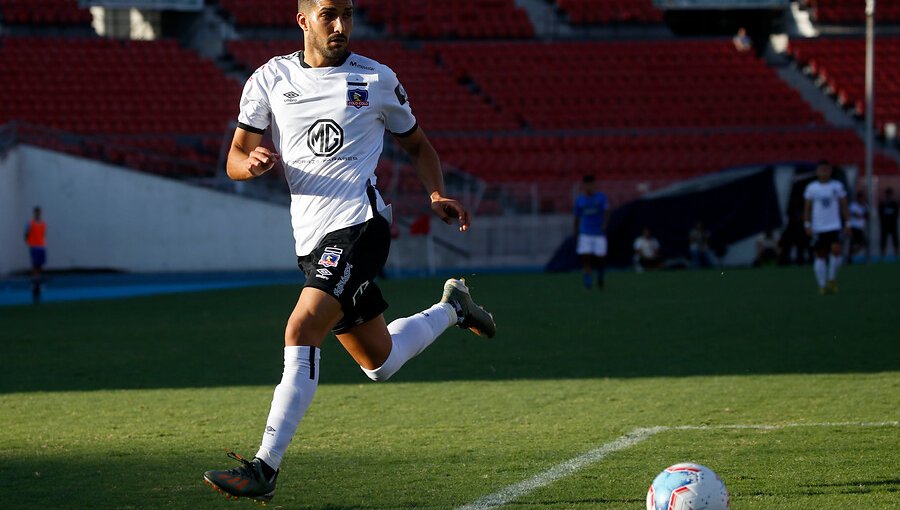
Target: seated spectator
(742, 41)
(646, 252)
(701, 256)
(766, 249)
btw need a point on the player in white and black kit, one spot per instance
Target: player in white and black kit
(328, 110)
(825, 217)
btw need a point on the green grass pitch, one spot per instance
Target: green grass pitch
(123, 404)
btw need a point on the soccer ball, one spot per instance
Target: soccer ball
(688, 486)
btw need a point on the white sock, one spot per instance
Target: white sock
(819, 268)
(411, 335)
(834, 262)
(292, 397)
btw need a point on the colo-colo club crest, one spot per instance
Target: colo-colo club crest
(358, 98)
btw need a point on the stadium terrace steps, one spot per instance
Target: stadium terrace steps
(621, 110)
(840, 64)
(166, 121)
(853, 11)
(629, 85)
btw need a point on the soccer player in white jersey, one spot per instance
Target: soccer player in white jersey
(328, 110)
(825, 216)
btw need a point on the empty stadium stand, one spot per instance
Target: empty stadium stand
(440, 102)
(134, 94)
(261, 12)
(853, 11)
(405, 18)
(590, 12)
(628, 84)
(524, 117)
(840, 64)
(45, 12)
(464, 19)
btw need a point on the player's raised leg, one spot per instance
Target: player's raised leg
(380, 350)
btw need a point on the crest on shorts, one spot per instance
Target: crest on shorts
(330, 257)
(357, 98)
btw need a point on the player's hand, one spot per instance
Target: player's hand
(808, 232)
(446, 209)
(261, 160)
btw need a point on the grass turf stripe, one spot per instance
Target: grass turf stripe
(564, 469)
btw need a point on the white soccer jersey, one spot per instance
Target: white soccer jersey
(826, 204)
(328, 125)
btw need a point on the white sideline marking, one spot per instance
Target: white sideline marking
(564, 469)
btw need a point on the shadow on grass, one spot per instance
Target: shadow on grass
(768, 321)
(854, 487)
(133, 480)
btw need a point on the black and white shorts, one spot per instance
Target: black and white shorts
(345, 264)
(823, 240)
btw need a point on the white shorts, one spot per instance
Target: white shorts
(591, 245)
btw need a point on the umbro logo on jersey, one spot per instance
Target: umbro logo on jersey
(294, 98)
(323, 273)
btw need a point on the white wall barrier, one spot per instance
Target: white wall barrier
(101, 216)
(105, 217)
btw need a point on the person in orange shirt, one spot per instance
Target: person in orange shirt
(36, 238)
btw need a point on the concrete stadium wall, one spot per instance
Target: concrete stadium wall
(102, 216)
(12, 214)
(524, 242)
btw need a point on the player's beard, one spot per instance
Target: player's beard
(334, 54)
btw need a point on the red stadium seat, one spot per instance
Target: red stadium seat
(840, 63)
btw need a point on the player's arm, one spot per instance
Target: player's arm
(807, 216)
(247, 158)
(425, 161)
(845, 214)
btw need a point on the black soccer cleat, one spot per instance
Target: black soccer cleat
(244, 481)
(469, 315)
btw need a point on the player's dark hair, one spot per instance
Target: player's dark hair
(588, 178)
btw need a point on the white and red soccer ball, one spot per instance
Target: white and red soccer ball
(688, 486)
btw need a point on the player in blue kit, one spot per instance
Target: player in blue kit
(591, 216)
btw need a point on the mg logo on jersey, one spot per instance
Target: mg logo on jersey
(325, 137)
